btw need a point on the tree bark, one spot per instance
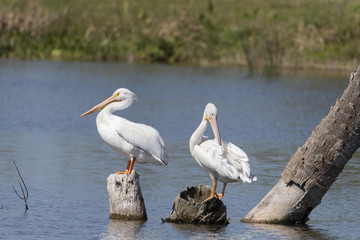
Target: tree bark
(316, 165)
(126, 200)
(188, 207)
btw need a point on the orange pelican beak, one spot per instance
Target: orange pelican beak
(215, 128)
(101, 105)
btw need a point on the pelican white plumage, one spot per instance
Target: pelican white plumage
(138, 142)
(224, 161)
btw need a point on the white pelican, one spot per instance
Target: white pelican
(138, 142)
(222, 160)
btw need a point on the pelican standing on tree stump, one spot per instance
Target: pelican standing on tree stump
(222, 160)
(138, 142)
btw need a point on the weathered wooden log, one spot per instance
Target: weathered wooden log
(126, 200)
(188, 207)
(316, 165)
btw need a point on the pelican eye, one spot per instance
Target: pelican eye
(117, 94)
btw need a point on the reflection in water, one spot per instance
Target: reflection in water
(290, 232)
(200, 231)
(122, 229)
(197, 228)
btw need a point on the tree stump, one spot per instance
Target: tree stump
(187, 207)
(126, 200)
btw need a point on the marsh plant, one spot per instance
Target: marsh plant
(264, 35)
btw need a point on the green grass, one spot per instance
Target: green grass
(264, 35)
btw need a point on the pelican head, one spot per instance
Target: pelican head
(210, 114)
(121, 99)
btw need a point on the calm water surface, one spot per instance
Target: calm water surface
(65, 163)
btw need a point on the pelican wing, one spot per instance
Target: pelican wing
(210, 156)
(144, 137)
(238, 158)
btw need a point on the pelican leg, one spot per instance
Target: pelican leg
(132, 164)
(220, 195)
(127, 168)
(212, 195)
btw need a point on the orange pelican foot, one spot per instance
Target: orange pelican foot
(127, 171)
(218, 196)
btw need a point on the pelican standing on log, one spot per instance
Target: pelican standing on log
(138, 142)
(224, 161)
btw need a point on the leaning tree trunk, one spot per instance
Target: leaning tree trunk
(314, 167)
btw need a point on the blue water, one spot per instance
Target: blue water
(65, 163)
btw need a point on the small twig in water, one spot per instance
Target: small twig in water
(25, 193)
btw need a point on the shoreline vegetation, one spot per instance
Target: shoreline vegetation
(265, 36)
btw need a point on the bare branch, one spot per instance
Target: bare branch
(22, 190)
(22, 180)
(25, 193)
(17, 193)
